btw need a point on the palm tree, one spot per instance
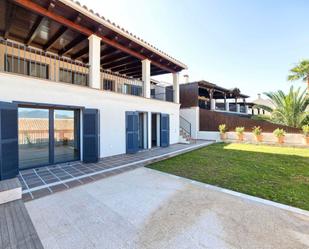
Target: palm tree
(288, 109)
(300, 72)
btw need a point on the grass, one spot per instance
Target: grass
(279, 174)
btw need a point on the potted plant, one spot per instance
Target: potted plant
(222, 130)
(257, 132)
(65, 141)
(305, 129)
(280, 134)
(240, 133)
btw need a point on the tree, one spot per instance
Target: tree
(300, 72)
(289, 109)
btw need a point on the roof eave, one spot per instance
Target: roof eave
(101, 20)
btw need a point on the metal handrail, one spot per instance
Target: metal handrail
(185, 125)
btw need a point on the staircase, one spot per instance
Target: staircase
(185, 131)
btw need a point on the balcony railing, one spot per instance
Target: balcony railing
(121, 84)
(29, 61)
(18, 58)
(162, 93)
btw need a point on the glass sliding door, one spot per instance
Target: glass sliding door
(66, 142)
(47, 136)
(33, 137)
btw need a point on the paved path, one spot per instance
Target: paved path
(47, 180)
(144, 208)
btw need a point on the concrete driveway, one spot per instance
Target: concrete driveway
(148, 209)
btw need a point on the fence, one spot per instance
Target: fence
(121, 84)
(29, 61)
(162, 93)
(209, 121)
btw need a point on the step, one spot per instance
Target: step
(10, 190)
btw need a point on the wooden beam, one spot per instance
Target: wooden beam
(72, 44)
(126, 65)
(107, 56)
(34, 30)
(80, 53)
(121, 61)
(55, 38)
(37, 25)
(134, 72)
(124, 71)
(9, 18)
(59, 33)
(112, 56)
(28, 4)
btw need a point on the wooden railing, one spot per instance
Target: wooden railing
(210, 121)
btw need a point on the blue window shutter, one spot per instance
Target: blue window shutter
(165, 130)
(91, 135)
(8, 140)
(132, 132)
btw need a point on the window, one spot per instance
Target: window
(136, 90)
(108, 85)
(132, 89)
(73, 77)
(21, 66)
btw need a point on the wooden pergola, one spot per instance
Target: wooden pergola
(63, 27)
(192, 93)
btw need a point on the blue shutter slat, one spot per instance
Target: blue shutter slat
(132, 132)
(8, 140)
(91, 135)
(165, 130)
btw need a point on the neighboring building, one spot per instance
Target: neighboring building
(210, 96)
(74, 86)
(201, 99)
(254, 108)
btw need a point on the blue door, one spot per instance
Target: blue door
(91, 135)
(132, 128)
(8, 140)
(165, 130)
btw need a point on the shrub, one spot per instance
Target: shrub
(305, 129)
(222, 128)
(240, 130)
(256, 130)
(279, 132)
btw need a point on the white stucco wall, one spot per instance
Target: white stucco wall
(292, 139)
(112, 106)
(192, 115)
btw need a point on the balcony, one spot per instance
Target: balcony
(33, 62)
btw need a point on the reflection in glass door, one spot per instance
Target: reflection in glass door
(33, 137)
(47, 136)
(66, 144)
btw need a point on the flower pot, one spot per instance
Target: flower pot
(306, 140)
(280, 140)
(258, 138)
(223, 136)
(240, 137)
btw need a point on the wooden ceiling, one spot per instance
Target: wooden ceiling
(53, 26)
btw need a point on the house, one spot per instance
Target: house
(200, 99)
(74, 86)
(210, 96)
(254, 108)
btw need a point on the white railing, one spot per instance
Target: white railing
(21, 59)
(121, 84)
(17, 58)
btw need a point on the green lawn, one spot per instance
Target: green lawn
(280, 174)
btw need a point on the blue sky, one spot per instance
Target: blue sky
(232, 43)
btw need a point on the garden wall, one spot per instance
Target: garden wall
(210, 120)
(268, 138)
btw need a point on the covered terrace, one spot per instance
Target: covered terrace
(61, 40)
